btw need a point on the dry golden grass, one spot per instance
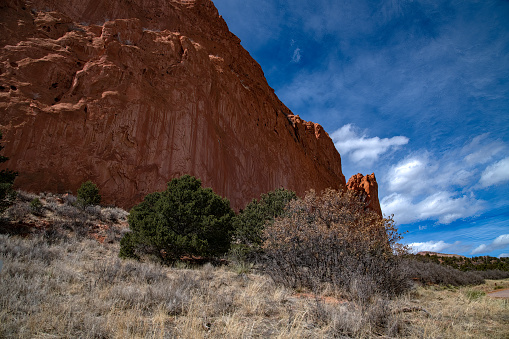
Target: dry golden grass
(61, 283)
(465, 312)
(79, 288)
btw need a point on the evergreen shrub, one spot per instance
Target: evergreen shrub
(250, 222)
(88, 194)
(183, 220)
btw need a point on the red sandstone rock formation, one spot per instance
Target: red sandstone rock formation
(367, 188)
(131, 94)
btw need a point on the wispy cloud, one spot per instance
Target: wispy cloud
(500, 242)
(481, 149)
(296, 55)
(360, 148)
(495, 174)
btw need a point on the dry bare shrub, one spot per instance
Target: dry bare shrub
(18, 211)
(25, 196)
(113, 214)
(93, 212)
(69, 199)
(51, 205)
(433, 273)
(334, 239)
(68, 211)
(493, 274)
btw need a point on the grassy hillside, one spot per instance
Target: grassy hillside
(62, 278)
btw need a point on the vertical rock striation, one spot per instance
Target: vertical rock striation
(130, 94)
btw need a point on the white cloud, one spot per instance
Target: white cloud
(409, 176)
(480, 249)
(496, 173)
(501, 241)
(362, 149)
(424, 187)
(296, 55)
(442, 206)
(503, 255)
(432, 246)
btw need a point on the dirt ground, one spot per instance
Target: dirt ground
(500, 294)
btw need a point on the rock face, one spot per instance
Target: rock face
(367, 187)
(130, 94)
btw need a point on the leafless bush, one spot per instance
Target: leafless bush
(433, 273)
(351, 320)
(69, 199)
(114, 233)
(26, 196)
(18, 211)
(81, 229)
(333, 239)
(52, 205)
(68, 211)
(52, 199)
(93, 212)
(113, 214)
(493, 274)
(56, 232)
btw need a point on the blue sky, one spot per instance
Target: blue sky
(416, 91)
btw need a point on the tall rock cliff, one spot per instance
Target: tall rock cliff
(132, 93)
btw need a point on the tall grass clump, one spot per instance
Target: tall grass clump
(334, 240)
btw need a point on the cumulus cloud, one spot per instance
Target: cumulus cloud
(496, 173)
(410, 175)
(500, 242)
(360, 148)
(432, 246)
(423, 187)
(503, 255)
(445, 207)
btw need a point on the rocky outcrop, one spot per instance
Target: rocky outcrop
(367, 189)
(130, 94)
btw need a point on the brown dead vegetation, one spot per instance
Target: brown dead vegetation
(67, 284)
